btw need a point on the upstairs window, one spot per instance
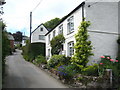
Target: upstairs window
(41, 37)
(54, 33)
(70, 24)
(41, 29)
(61, 29)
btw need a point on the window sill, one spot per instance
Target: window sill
(70, 33)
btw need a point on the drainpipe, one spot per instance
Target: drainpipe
(83, 17)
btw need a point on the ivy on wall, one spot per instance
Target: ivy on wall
(83, 47)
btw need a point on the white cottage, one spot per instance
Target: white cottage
(38, 35)
(104, 18)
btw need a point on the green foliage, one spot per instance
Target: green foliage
(56, 44)
(83, 47)
(52, 23)
(40, 60)
(67, 71)
(32, 50)
(6, 50)
(90, 70)
(58, 60)
(108, 63)
(18, 36)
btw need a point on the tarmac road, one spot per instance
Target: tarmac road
(22, 74)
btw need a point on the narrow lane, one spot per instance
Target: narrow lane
(22, 74)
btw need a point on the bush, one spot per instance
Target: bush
(58, 60)
(32, 50)
(108, 63)
(40, 60)
(66, 71)
(90, 70)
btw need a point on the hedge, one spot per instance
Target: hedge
(31, 51)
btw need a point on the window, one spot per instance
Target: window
(70, 24)
(61, 29)
(70, 48)
(41, 29)
(41, 37)
(49, 39)
(48, 52)
(54, 33)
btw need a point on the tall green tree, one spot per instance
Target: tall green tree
(57, 43)
(83, 47)
(52, 23)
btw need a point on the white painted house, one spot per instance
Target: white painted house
(104, 18)
(38, 35)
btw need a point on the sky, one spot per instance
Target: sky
(17, 12)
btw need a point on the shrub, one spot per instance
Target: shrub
(66, 71)
(32, 50)
(56, 44)
(90, 70)
(83, 47)
(108, 63)
(58, 60)
(40, 60)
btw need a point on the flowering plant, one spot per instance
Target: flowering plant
(67, 72)
(107, 63)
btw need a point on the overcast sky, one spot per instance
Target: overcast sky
(17, 12)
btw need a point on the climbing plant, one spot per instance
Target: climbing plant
(57, 43)
(83, 47)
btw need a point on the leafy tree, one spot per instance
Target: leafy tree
(18, 36)
(83, 47)
(52, 23)
(57, 43)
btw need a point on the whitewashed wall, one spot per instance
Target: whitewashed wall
(103, 30)
(68, 37)
(36, 33)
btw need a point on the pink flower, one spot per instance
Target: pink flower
(111, 60)
(108, 57)
(101, 63)
(116, 60)
(102, 56)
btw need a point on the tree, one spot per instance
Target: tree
(52, 23)
(18, 36)
(57, 43)
(83, 47)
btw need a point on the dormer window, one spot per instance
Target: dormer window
(41, 29)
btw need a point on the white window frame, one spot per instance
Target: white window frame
(61, 29)
(41, 37)
(70, 24)
(54, 32)
(70, 48)
(48, 52)
(49, 38)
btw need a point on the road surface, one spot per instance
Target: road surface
(22, 74)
